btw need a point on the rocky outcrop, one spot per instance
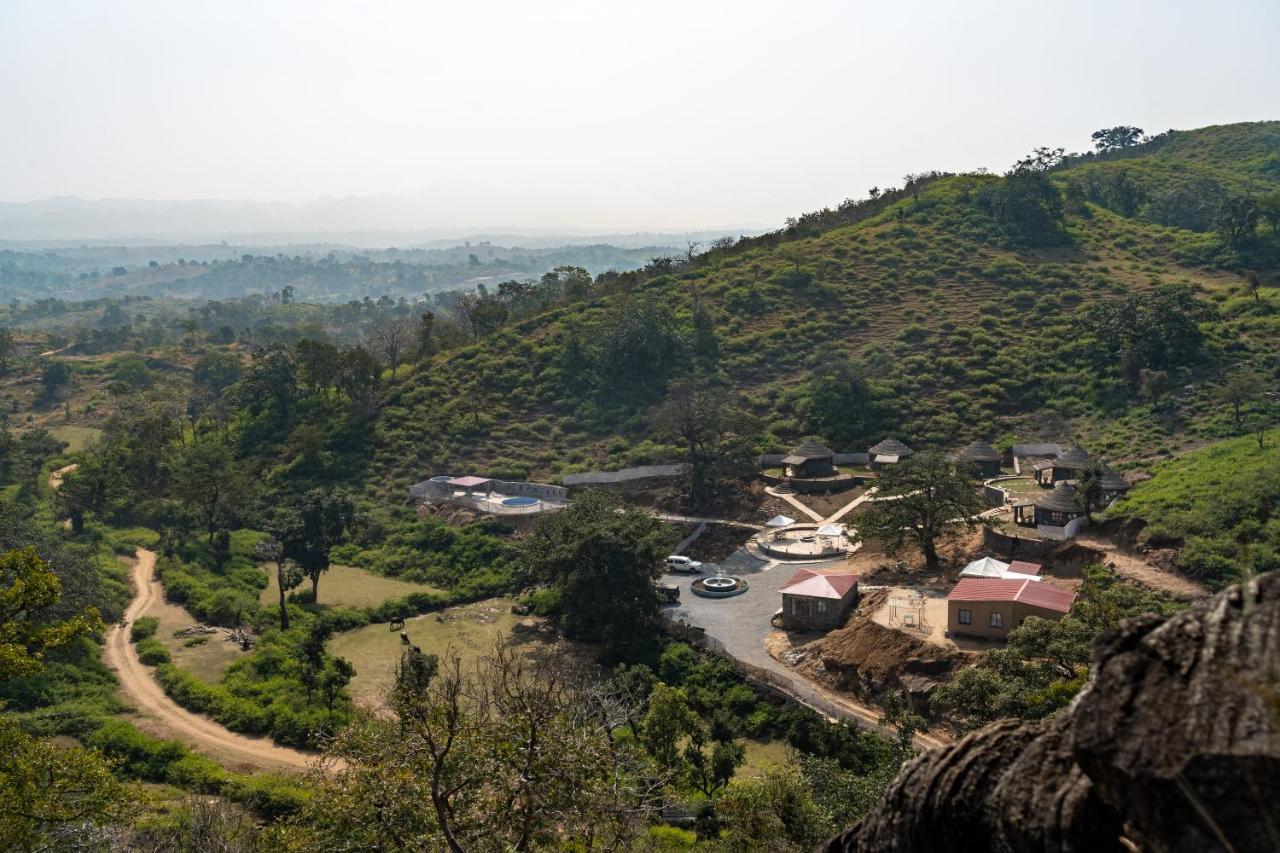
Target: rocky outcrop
(1174, 747)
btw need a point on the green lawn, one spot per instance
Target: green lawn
(1026, 487)
(345, 586)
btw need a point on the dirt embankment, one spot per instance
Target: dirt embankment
(869, 660)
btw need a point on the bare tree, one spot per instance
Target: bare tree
(391, 339)
(514, 753)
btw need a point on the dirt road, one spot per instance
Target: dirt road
(1143, 573)
(171, 719)
(55, 477)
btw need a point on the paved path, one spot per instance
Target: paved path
(696, 519)
(795, 502)
(868, 495)
(741, 624)
(145, 692)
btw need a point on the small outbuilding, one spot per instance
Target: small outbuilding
(818, 601)
(471, 485)
(984, 458)
(888, 452)
(810, 459)
(989, 567)
(992, 607)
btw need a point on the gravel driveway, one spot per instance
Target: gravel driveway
(741, 622)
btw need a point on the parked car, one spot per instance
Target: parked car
(682, 564)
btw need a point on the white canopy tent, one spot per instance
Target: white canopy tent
(775, 525)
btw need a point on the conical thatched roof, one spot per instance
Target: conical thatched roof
(980, 451)
(1112, 481)
(1061, 499)
(891, 447)
(1073, 459)
(812, 449)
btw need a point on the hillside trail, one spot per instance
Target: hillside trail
(237, 751)
(56, 477)
(1142, 572)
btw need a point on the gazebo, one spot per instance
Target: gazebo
(470, 485)
(1059, 507)
(888, 452)
(832, 536)
(810, 459)
(1066, 467)
(984, 458)
(1113, 485)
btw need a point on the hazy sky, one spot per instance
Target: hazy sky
(595, 114)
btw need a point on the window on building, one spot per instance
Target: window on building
(965, 617)
(997, 620)
(822, 607)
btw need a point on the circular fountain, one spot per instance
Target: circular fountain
(718, 586)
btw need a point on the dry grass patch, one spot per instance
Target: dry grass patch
(208, 660)
(471, 630)
(347, 586)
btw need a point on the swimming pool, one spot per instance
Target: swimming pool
(520, 501)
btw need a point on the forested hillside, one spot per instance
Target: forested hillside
(252, 457)
(1107, 298)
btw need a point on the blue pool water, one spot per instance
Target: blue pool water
(520, 501)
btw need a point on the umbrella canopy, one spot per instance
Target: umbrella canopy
(831, 530)
(780, 521)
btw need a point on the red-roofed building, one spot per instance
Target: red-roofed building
(992, 607)
(1022, 567)
(818, 601)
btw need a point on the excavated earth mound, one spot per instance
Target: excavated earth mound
(868, 659)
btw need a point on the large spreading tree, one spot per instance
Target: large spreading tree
(703, 416)
(310, 527)
(601, 558)
(918, 501)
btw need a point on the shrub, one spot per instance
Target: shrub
(152, 652)
(143, 627)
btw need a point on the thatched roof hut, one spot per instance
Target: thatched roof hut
(984, 458)
(810, 459)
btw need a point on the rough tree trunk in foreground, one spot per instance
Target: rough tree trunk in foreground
(1174, 747)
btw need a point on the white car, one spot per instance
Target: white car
(682, 564)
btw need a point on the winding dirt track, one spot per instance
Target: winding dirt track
(145, 692)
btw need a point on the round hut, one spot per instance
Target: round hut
(1113, 485)
(1069, 465)
(810, 459)
(1058, 507)
(888, 452)
(984, 458)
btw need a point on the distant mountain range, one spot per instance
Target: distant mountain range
(363, 221)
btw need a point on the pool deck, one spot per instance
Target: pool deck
(492, 504)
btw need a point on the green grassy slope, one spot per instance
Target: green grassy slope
(960, 333)
(1220, 502)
